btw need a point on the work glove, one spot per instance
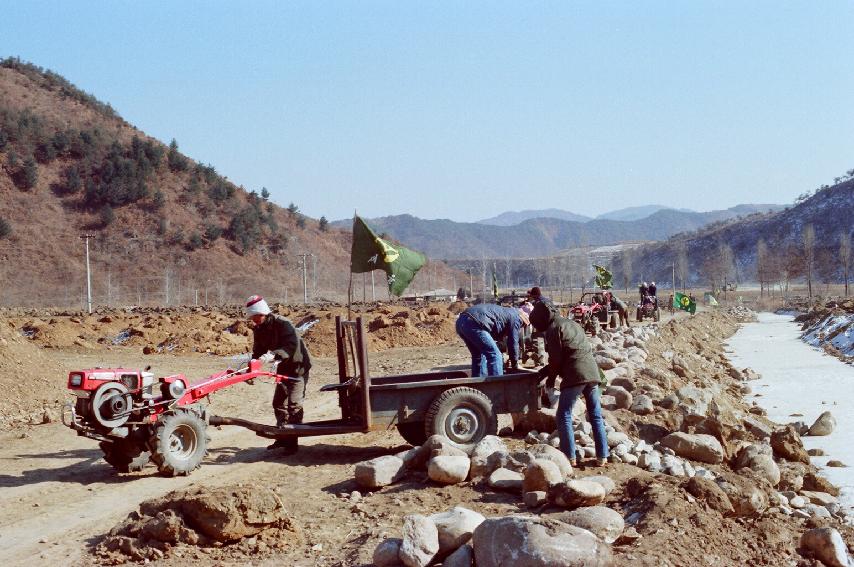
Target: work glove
(267, 357)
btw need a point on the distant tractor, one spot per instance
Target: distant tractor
(648, 308)
(593, 311)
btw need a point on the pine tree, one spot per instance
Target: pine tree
(5, 228)
(323, 224)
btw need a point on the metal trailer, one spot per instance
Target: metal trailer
(446, 402)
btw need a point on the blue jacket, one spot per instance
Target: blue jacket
(500, 322)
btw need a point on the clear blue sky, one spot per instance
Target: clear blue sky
(463, 110)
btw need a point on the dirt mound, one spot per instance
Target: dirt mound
(225, 522)
(225, 332)
(33, 386)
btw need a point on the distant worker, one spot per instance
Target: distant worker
(535, 294)
(571, 358)
(643, 290)
(652, 289)
(621, 308)
(275, 338)
(481, 326)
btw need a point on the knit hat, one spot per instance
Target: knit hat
(535, 292)
(542, 316)
(256, 305)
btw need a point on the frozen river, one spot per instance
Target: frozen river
(800, 379)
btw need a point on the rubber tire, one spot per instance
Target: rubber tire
(412, 432)
(188, 423)
(594, 326)
(472, 401)
(613, 321)
(656, 315)
(125, 456)
(639, 315)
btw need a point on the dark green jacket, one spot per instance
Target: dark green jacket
(278, 335)
(570, 353)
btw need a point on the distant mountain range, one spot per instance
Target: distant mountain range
(638, 213)
(512, 218)
(446, 239)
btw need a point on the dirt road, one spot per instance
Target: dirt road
(58, 496)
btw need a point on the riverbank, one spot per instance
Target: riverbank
(798, 383)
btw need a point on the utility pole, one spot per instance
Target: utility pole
(86, 237)
(304, 265)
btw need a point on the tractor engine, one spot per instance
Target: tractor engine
(107, 398)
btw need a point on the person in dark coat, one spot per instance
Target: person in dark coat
(481, 326)
(621, 308)
(275, 338)
(643, 290)
(571, 358)
(652, 289)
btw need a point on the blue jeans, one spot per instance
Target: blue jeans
(594, 416)
(486, 359)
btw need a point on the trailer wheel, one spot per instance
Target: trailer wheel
(179, 443)
(656, 316)
(639, 315)
(463, 415)
(125, 456)
(614, 321)
(413, 432)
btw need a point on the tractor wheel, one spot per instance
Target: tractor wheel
(613, 321)
(125, 456)
(639, 315)
(179, 443)
(463, 415)
(656, 316)
(594, 326)
(412, 432)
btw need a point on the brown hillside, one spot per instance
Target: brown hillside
(154, 224)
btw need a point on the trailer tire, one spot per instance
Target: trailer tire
(463, 415)
(179, 443)
(125, 456)
(656, 316)
(639, 315)
(613, 321)
(413, 432)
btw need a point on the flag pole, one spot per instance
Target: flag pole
(350, 284)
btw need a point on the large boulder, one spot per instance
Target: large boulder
(481, 453)
(642, 405)
(826, 545)
(531, 541)
(462, 557)
(505, 479)
(540, 475)
(379, 472)
(577, 493)
(695, 446)
(824, 425)
(787, 444)
(386, 553)
(420, 541)
(455, 527)
(818, 483)
(543, 451)
(759, 459)
(746, 497)
(622, 397)
(605, 523)
(448, 469)
(693, 403)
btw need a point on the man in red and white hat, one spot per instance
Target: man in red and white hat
(276, 338)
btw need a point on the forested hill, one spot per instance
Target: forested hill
(805, 240)
(165, 229)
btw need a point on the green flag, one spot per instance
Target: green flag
(370, 252)
(685, 303)
(603, 277)
(494, 283)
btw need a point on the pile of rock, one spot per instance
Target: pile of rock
(462, 537)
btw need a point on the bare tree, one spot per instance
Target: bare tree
(626, 265)
(845, 256)
(762, 265)
(809, 255)
(682, 263)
